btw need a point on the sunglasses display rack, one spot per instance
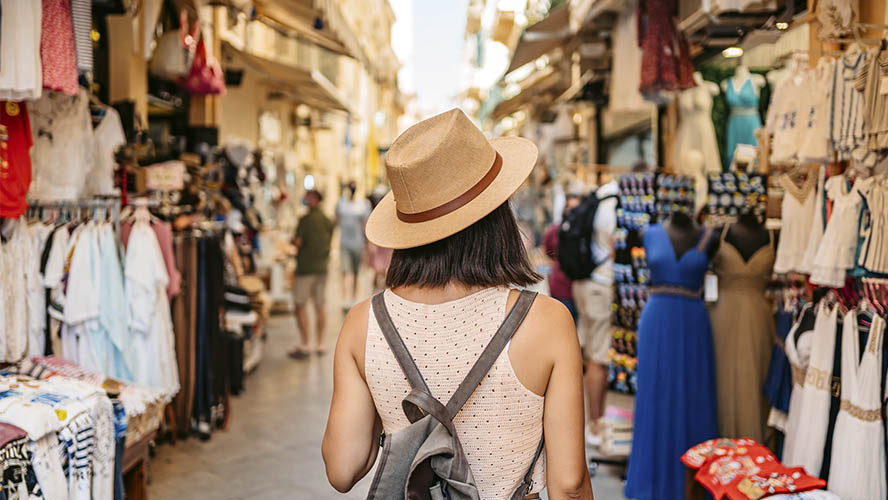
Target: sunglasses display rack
(644, 199)
(734, 193)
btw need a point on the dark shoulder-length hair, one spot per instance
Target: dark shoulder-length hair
(489, 253)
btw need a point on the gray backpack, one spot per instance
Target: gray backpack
(425, 460)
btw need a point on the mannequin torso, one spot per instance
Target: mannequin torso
(739, 79)
(748, 236)
(685, 234)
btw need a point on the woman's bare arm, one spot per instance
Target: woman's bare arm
(567, 475)
(350, 441)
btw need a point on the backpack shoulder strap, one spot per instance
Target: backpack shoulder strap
(396, 344)
(490, 354)
(527, 481)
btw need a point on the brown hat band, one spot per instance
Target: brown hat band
(457, 202)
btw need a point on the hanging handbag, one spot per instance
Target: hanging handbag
(206, 75)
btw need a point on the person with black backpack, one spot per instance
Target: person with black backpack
(585, 255)
(453, 381)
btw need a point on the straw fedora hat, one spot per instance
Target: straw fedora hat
(445, 176)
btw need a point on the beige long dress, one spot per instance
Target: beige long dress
(742, 332)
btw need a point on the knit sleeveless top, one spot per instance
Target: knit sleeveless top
(501, 424)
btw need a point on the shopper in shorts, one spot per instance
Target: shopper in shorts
(593, 298)
(351, 217)
(313, 234)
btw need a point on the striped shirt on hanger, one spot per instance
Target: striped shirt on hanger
(872, 80)
(845, 109)
(81, 18)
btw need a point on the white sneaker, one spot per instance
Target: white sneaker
(593, 440)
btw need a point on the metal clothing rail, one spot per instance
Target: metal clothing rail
(70, 210)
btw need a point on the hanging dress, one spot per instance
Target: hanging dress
(697, 133)
(798, 215)
(858, 451)
(798, 353)
(665, 62)
(20, 70)
(810, 434)
(742, 333)
(838, 248)
(744, 119)
(675, 407)
(150, 324)
(817, 225)
(57, 53)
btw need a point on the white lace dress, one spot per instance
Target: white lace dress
(857, 470)
(798, 353)
(798, 214)
(21, 73)
(15, 251)
(809, 435)
(817, 225)
(838, 248)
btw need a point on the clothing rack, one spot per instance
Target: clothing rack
(69, 210)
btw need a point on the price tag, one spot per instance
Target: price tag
(883, 85)
(166, 176)
(710, 287)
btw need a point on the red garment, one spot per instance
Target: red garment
(57, 51)
(721, 475)
(697, 456)
(774, 479)
(665, 61)
(559, 283)
(164, 233)
(15, 158)
(743, 469)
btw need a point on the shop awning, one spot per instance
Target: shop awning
(307, 87)
(541, 38)
(318, 21)
(542, 89)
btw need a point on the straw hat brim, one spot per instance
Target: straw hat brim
(386, 230)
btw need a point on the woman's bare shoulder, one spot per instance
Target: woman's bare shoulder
(353, 335)
(548, 319)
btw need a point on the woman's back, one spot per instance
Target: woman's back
(501, 424)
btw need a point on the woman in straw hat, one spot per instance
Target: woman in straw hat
(457, 255)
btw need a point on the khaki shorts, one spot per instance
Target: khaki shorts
(594, 328)
(307, 286)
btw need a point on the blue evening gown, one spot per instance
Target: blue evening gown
(675, 407)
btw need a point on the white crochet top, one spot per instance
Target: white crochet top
(501, 424)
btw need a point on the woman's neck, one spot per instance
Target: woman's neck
(435, 295)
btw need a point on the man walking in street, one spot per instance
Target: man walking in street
(593, 299)
(313, 234)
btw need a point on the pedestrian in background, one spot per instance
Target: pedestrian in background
(379, 257)
(593, 297)
(458, 253)
(351, 217)
(559, 283)
(312, 241)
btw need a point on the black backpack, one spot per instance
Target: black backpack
(575, 238)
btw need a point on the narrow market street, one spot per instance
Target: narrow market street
(273, 447)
